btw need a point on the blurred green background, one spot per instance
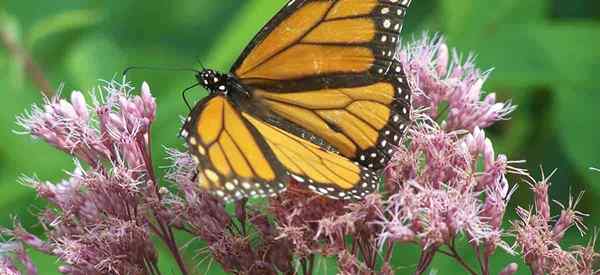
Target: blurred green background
(545, 55)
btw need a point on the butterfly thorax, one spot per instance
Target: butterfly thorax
(223, 84)
(215, 82)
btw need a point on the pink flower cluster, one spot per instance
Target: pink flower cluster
(98, 219)
(445, 184)
(442, 84)
(538, 235)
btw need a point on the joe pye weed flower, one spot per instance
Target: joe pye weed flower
(445, 185)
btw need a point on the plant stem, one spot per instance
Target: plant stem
(389, 251)
(483, 263)
(425, 260)
(304, 266)
(311, 264)
(166, 232)
(21, 56)
(459, 259)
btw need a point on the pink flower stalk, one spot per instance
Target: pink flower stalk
(8, 267)
(350, 265)
(99, 221)
(7, 264)
(438, 192)
(539, 236)
(444, 184)
(70, 126)
(65, 125)
(441, 77)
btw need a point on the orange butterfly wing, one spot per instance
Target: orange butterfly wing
(327, 67)
(239, 155)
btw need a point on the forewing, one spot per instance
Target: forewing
(327, 66)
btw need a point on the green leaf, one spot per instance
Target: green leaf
(61, 23)
(522, 11)
(239, 32)
(577, 89)
(455, 15)
(95, 57)
(527, 55)
(469, 19)
(515, 54)
(573, 52)
(504, 39)
(47, 265)
(576, 121)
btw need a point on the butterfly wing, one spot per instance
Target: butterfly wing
(233, 160)
(328, 67)
(322, 171)
(238, 156)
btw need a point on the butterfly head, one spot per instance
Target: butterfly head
(213, 81)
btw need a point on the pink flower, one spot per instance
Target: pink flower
(510, 269)
(99, 220)
(538, 236)
(8, 267)
(440, 77)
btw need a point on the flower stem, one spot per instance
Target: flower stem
(483, 262)
(454, 254)
(425, 260)
(166, 232)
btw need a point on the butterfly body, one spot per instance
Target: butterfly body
(220, 83)
(317, 97)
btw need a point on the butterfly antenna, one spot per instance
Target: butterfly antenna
(154, 68)
(200, 62)
(201, 65)
(185, 99)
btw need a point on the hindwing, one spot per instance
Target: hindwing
(239, 155)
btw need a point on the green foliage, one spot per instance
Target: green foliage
(545, 56)
(59, 24)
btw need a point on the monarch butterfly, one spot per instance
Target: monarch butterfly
(316, 96)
